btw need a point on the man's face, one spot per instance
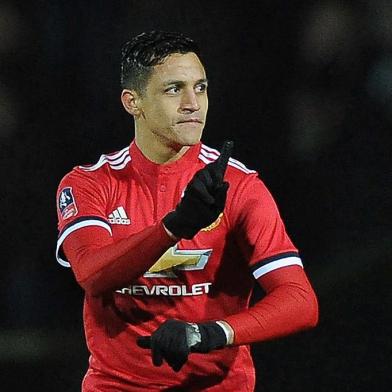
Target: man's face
(175, 103)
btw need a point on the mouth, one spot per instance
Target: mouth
(190, 121)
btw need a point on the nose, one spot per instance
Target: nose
(189, 102)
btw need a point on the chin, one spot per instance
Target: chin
(192, 142)
(190, 137)
(189, 141)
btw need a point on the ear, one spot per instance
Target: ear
(131, 102)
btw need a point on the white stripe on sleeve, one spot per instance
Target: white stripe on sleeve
(273, 265)
(71, 229)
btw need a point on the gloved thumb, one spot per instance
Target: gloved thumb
(144, 341)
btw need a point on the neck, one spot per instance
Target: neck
(157, 149)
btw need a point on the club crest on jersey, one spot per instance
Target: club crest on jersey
(67, 204)
(213, 224)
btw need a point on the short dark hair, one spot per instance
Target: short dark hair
(143, 52)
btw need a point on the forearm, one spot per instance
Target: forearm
(100, 265)
(288, 307)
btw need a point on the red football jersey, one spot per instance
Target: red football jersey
(207, 278)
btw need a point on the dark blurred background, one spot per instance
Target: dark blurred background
(305, 90)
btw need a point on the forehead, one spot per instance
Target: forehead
(182, 67)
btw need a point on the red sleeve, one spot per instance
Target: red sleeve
(100, 265)
(256, 220)
(290, 305)
(81, 202)
(81, 194)
(85, 240)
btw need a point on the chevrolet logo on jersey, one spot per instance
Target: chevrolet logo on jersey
(170, 290)
(179, 259)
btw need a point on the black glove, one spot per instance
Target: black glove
(174, 340)
(204, 198)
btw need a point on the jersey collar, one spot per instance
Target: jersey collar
(141, 163)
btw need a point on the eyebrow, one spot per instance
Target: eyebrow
(181, 83)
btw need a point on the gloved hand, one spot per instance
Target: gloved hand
(174, 340)
(204, 198)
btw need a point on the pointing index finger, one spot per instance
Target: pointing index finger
(224, 156)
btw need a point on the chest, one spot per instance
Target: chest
(135, 205)
(139, 201)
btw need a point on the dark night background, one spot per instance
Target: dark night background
(304, 88)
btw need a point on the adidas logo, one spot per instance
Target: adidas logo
(119, 217)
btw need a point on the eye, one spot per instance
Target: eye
(172, 90)
(201, 88)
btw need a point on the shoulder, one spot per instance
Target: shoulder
(107, 166)
(244, 182)
(114, 161)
